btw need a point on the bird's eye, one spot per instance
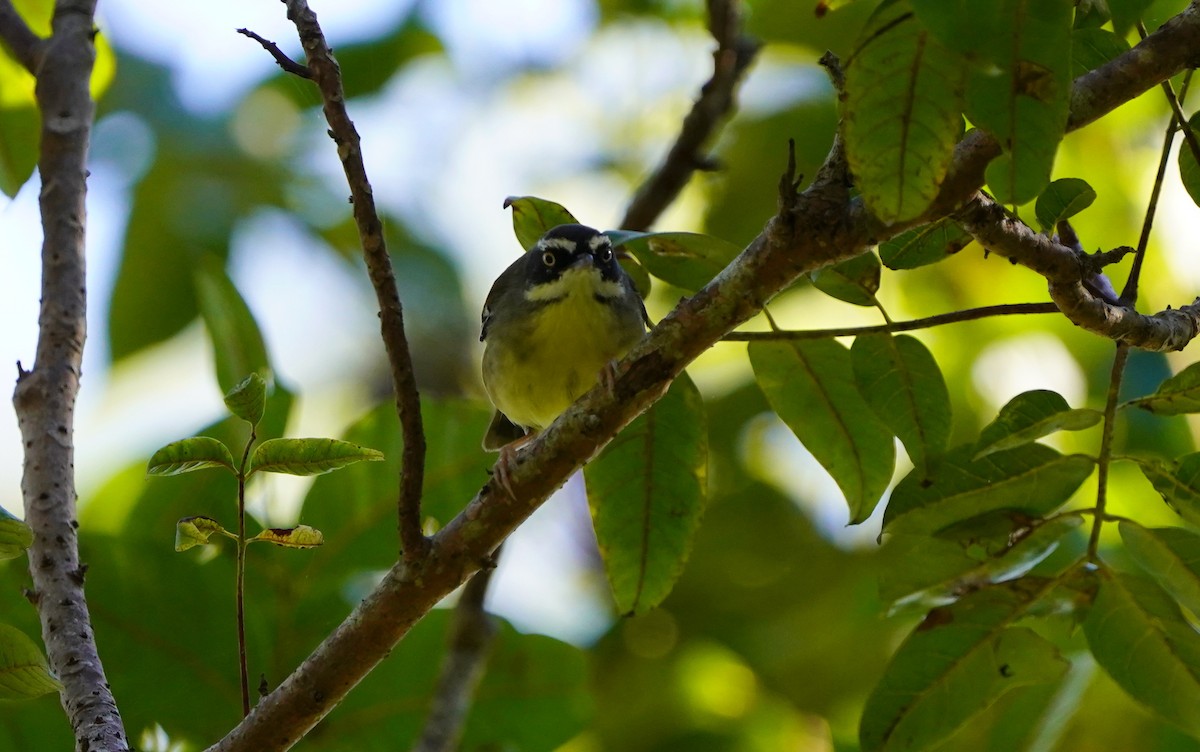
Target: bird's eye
(548, 258)
(605, 254)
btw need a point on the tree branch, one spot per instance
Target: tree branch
(1069, 274)
(44, 398)
(471, 636)
(16, 35)
(735, 51)
(954, 317)
(282, 60)
(811, 229)
(328, 78)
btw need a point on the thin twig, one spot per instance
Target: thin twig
(811, 230)
(1105, 458)
(26, 46)
(281, 59)
(954, 317)
(1130, 292)
(328, 77)
(471, 635)
(734, 54)
(240, 575)
(1176, 106)
(45, 396)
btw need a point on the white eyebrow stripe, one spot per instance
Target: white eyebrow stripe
(561, 243)
(598, 241)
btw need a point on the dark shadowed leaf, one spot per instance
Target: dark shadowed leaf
(15, 536)
(23, 670)
(308, 456)
(301, 536)
(1028, 417)
(533, 217)
(810, 384)
(19, 126)
(1143, 641)
(1177, 395)
(955, 664)
(186, 455)
(1063, 199)
(904, 386)
(248, 399)
(1189, 168)
(855, 280)
(1093, 47)
(196, 531)
(1171, 555)
(1031, 478)
(687, 260)
(927, 244)
(1177, 482)
(646, 492)
(903, 112)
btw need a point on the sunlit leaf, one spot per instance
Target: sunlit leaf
(1028, 417)
(533, 217)
(1023, 100)
(904, 386)
(15, 536)
(1171, 555)
(1031, 478)
(237, 342)
(810, 384)
(1138, 635)
(308, 456)
(301, 536)
(19, 134)
(955, 664)
(196, 531)
(1177, 395)
(902, 113)
(934, 570)
(248, 400)
(23, 670)
(927, 244)
(646, 492)
(1178, 483)
(186, 455)
(685, 259)
(854, 280)
(1063, 199)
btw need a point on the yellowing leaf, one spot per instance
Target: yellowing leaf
(301, 536)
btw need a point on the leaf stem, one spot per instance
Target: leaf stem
(240, 575)
(1105, 457)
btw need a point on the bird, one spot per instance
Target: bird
(553, 325)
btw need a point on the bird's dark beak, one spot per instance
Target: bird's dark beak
(583, 260)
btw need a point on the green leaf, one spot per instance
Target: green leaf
(1169, 554)
(1023, 100)
(308, 456)
(248, 400)
(904, 386)
(1189, 169)
(15, 536)
(533, 217)
(186, 455)
(646, 492)
(902, 113)
(955, 664)
(855, 280)
(1178, 483)
(1063, 199)
(1028, 417)
(1093, 47)
(237, 343)
(1138, 635)
(809, 383)
(23, 670)
(962, 25)
(19, 133)
(927, 244)
(1126, 14)
(935, 570)
(195, 531)
(637, 273)
(301, 536)
(1177, 395)
(685, 259)
(1031, 478)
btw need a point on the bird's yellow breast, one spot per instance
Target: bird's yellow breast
(556, 351)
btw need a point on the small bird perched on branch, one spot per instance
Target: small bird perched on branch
(553, 323)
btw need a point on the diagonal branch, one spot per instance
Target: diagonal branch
(328, 78)
(1069, 274)
(812, 229)
(16, 35)
(44, 398)
(734, 54)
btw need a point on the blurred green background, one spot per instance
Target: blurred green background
(208, 161)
